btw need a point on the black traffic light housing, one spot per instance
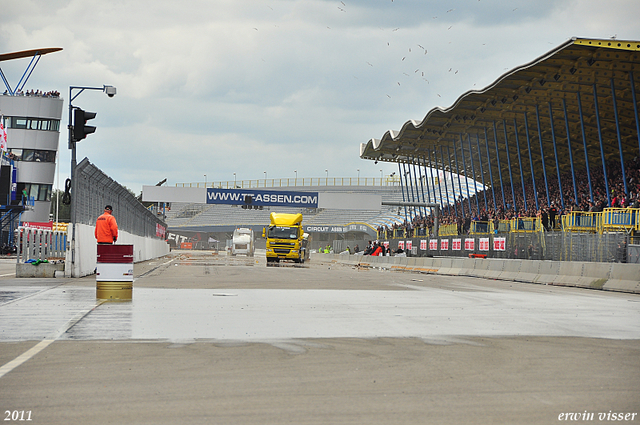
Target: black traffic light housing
(80, 129)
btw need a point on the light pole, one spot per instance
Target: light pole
(327, 177)
(109, 91)
(205, 181)
(358, 177)
(380, 177)
(296, 180)
(234, 180)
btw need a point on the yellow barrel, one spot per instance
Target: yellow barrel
(114, 291)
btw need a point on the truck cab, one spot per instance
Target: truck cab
(286, 239)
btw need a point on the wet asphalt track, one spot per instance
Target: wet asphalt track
(229, 340)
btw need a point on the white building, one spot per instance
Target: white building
(32, 122)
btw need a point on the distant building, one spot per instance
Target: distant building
(32, 122)
(33, 132)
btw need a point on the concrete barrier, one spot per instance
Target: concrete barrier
(604, 276)
(42, 270)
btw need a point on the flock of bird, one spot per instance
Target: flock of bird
(418, 71)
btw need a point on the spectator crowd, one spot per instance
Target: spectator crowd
(479, 206)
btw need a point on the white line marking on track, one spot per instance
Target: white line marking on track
(8, 367)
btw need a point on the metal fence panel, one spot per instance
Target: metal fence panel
(94, 190)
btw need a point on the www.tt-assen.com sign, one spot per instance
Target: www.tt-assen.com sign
(265, 198)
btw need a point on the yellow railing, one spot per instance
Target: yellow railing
(448, 230)
(525, 225)
(298, 181)
(582, 221)
(620, 219)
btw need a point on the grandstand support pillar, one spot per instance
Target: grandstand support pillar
(444, 177)
(453, 185)
(473, 170)
(433, 182)
(604, 165)
(436, 213)
(635, 107)
(544, 168)
(464, 167)
(533, 176)
(555, 152)
(573, 174)
(484, 192)
(615, 114)
(495, 139)
(524, 193)
(424, 198)
(409, 183)
(455, 159)
(414, 182)
(506, 144)
(402, 188)
(584, 142)
(493, 186)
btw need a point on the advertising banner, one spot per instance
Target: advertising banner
(499, 244)
(484, 244)
(444, 244)
(266, 198)
(423, 244)
(433, 244)
(409, 245)
(456, 244)
(469, 244)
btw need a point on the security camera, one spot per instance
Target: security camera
(110, 91)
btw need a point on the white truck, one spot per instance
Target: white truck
(242, 242)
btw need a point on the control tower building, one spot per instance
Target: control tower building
(32, 122)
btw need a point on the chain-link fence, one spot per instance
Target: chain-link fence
(556, 246)
(94, 189)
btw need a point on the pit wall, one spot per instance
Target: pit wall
(605, 276)
(85, 262)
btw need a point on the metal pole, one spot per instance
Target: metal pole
(432, 179)
(495, 138)
(446, 189)
(524, 193)
(464, 167)
(473, 170)
(506, 143)
(555, 152)
(402, 188)
(455, 153)
(493, 190)
(584, 142)
(453, 185)
(544, 169)
(615, 114)
(573, 175)
(635, 105)
(484, 186)
(533, 176)
(604, 166)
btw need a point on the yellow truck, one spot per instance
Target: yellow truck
(286, 239)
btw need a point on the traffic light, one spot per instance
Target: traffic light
(80, 129)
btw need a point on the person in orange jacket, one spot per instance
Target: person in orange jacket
(106, 227)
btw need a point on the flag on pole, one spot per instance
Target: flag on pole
(3, 135)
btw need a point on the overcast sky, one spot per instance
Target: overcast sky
(220, 87)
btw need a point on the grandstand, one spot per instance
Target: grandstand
(220, 220)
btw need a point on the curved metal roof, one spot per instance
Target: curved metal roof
(28, 53)
(532, 105)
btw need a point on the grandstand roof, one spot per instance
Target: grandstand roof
(535, 93)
